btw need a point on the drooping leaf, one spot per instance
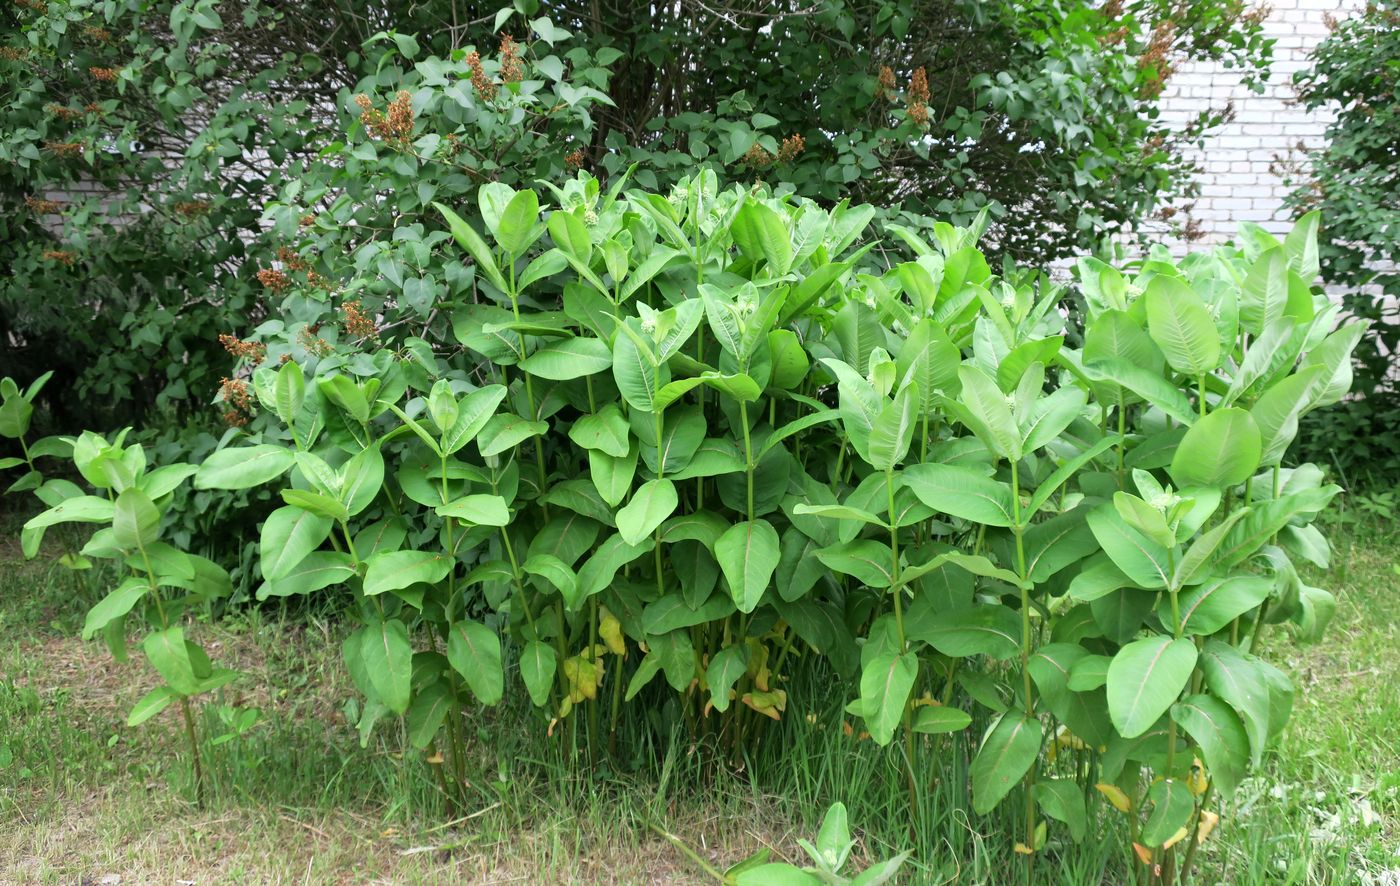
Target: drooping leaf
(1145, 679)
(885, 683)
(474, 651)
(388, 662)
(748, 552)
(651, 504)
(1221, 736)
(243, 467)
(1222, 449)
(1006, 755)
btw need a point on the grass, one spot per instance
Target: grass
(298, 799)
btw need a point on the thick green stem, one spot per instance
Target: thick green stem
(898, 590)
(197, 765)
(194, 751)
(748, 456)
(1019, 529)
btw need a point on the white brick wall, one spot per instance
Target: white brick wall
(1236, 182)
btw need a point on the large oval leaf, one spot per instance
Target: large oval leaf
(1006, 755)
(396, 570)
(1181, 325)
(1222, 449)
(650, 506)
(568, 359)
(1145, 678)
(1212, 605)
(974, 630)
(474, 651)
(748, 553)
(288, 535)
(243, 467)
(961, 492)
(885, 684)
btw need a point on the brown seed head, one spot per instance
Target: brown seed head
(312, 343)
(291, 259)
(483, 84)
(792, 146)
(356, 322)
(274, 280)
(252, 351)
(886, 85)
(192, 208)
(757, 158)
(400, 122)
(511, 70)
(64, 149)
(42, 207)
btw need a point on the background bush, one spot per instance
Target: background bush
(143, 144)
(1354, 178)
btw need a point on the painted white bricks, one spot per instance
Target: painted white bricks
(1236, 181)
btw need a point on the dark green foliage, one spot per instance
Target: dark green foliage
(146, 148)
(1354, 178)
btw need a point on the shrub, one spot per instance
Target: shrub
(1352, 178)
(686, 436)
(143, 144)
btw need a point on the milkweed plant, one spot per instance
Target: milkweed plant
(691, 443)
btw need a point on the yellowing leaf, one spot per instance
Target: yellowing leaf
(1208, 822)
(769, 704)
(1115, 796)
(1175, 838)
(610, 629)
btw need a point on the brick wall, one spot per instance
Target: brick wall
(1236, 183)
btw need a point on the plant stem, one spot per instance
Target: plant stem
(198, 767)
(898, 590)
(1019, 529)
(688, 852)
(748, 456)
(1194, 843)
(194, 751)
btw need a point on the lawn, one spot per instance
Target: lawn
(84, 798)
